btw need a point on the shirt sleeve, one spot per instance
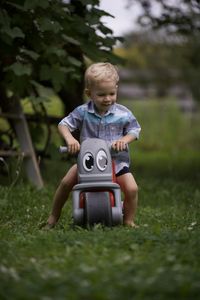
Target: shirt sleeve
(74, 120)
(132, 127)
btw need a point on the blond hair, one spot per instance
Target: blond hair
(100, 71)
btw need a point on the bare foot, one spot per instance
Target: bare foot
(48, 226)
(130, 224)
(52, 220)
(51, 223)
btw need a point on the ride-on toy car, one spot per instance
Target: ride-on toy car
(96, 197)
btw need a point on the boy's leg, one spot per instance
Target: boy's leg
(130, 189)
(62, 194)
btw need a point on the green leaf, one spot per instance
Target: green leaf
(92, 19)
(17, 85)
(58, 77)
(105, 30)
(42, 90)
(49, 25)
(71, 40)
(76, 77)
(4, 19)
(45, 72)
(20, 69)
(89, 2)
(32, 4)
(68, 70)
(15, 32)
(57, 51)
(101, 13)
(38, 99)
(16, 6)
(74, 61)
(30, 53)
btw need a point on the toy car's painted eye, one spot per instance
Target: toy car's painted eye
(102, 160)
(88, 161)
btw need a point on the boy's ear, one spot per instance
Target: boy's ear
(87, 92)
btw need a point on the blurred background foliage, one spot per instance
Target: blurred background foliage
(166, 45)
(46, 46)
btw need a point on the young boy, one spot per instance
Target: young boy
(103, 118)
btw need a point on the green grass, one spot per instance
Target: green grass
(157, 261)
(160, 260)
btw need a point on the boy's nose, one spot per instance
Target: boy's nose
(107, 97)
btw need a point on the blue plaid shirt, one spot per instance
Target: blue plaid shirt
(117, 122)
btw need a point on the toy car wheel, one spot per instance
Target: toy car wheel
(98, 209)
(117, 216)
(78, 217)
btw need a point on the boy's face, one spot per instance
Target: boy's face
(103, 94)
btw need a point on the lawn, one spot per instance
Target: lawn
(159, 260)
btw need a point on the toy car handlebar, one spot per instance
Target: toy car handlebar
(64, 149)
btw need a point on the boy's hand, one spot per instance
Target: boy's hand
(119, 145)
(72, 145)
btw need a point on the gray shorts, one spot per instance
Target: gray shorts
(123, 171)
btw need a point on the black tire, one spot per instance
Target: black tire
(98, 209)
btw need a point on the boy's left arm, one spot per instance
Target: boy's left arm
(132, 130)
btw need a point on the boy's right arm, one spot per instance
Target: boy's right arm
(72, 144)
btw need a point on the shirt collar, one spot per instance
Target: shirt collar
(91, 108)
